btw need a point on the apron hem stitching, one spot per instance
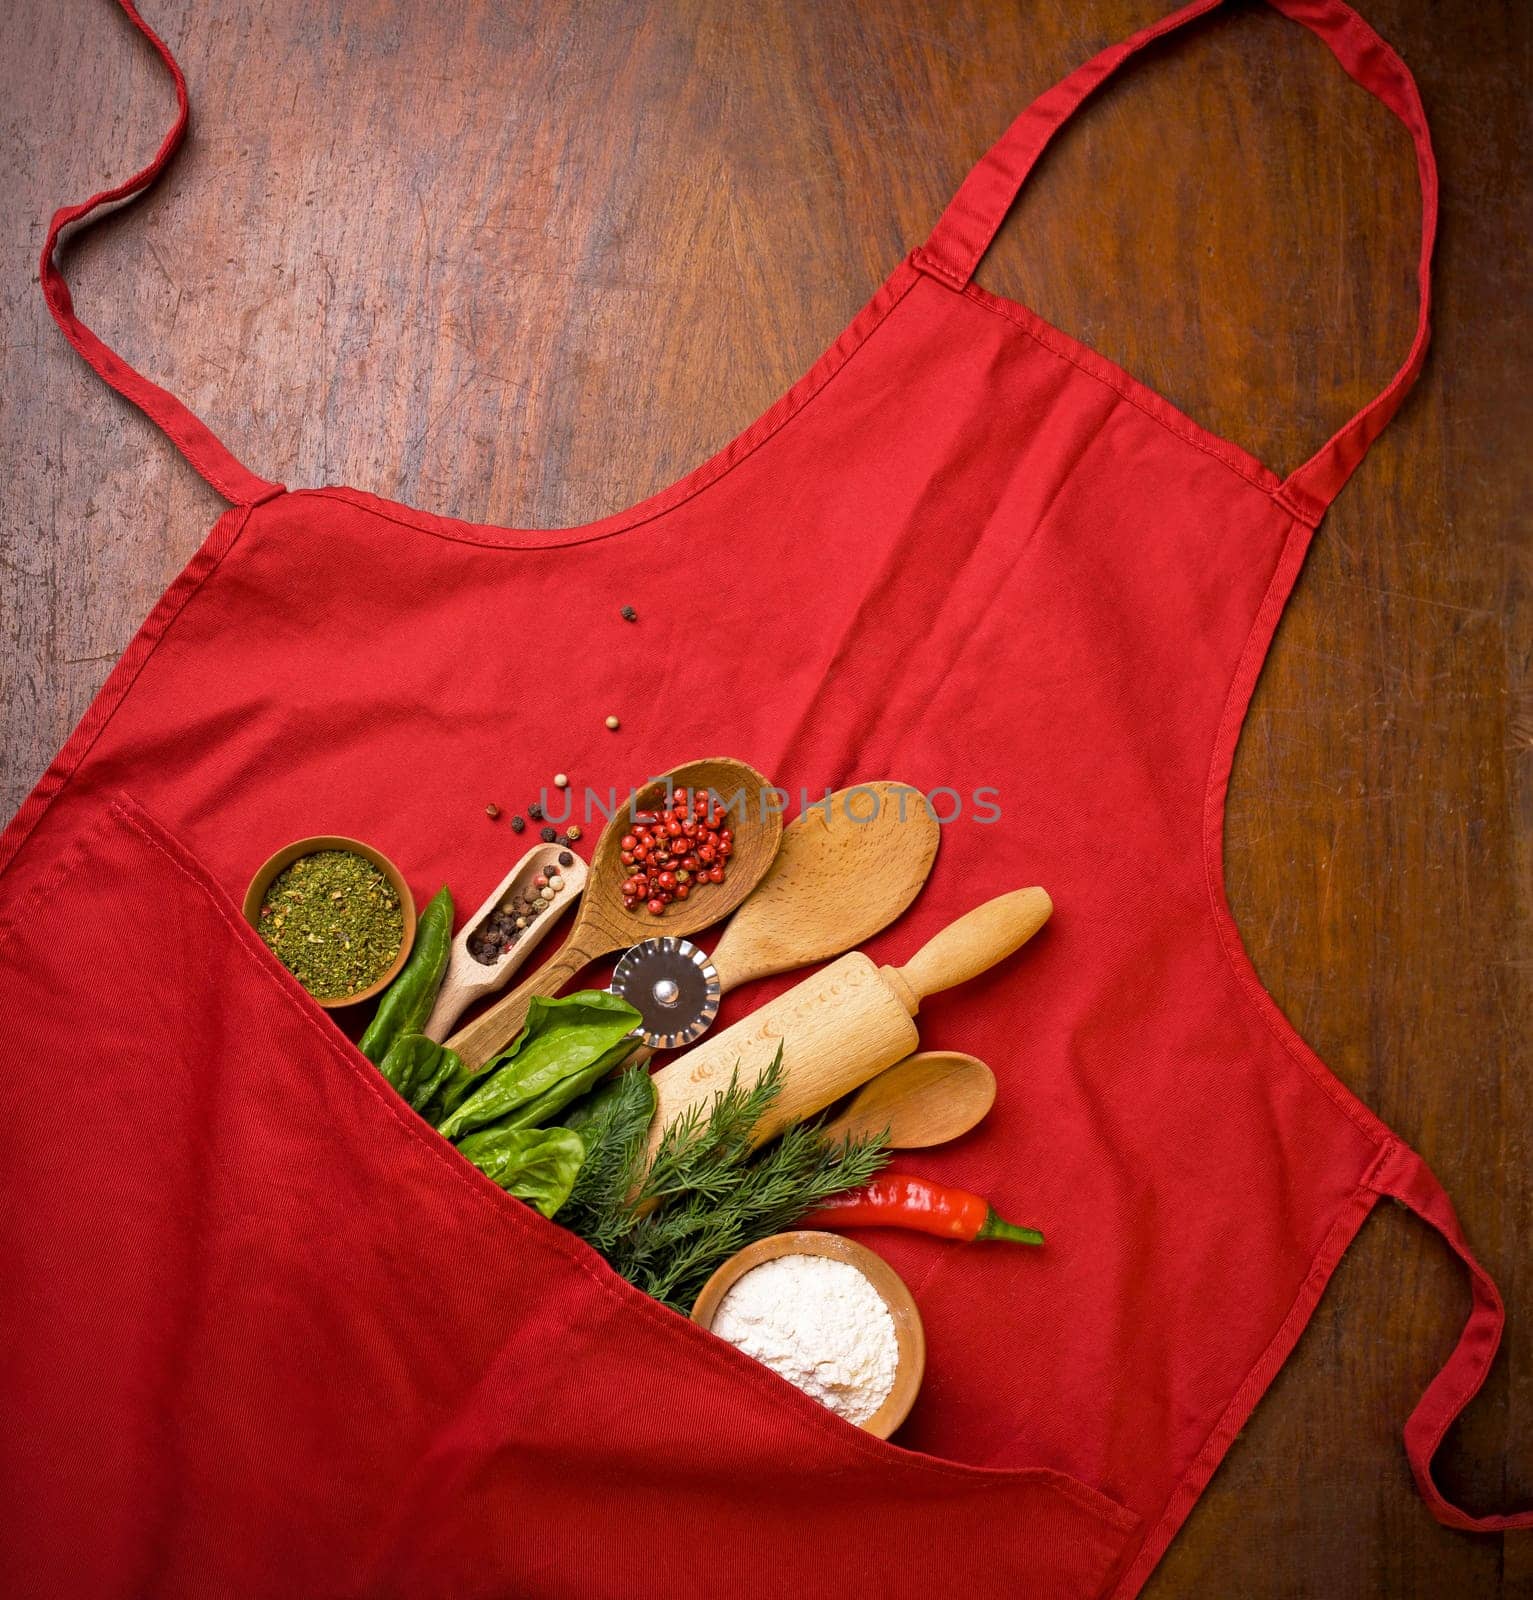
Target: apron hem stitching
(1036, 329)
(1237, 703)
(1268, 1364)
(64, 867)
(814, 382)
(82, 739)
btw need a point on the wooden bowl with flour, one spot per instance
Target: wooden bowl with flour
(897, 1300)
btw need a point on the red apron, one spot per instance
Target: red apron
(266, 1334)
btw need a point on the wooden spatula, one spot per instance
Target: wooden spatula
(468, 979)
(846, 869)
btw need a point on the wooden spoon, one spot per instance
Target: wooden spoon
(603, 924)
(838, 879)
(926, 1099)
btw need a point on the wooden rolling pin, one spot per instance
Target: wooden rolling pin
(847, 1022)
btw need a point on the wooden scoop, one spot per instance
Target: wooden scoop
(845, 1023)
(469, 979)
(926, 1099)
(603, 924)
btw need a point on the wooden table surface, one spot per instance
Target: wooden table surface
(529, 263)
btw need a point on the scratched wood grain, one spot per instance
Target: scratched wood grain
(530, 263)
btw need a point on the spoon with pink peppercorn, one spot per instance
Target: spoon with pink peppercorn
(612, 918)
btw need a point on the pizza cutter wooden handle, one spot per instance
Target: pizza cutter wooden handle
(970, 946)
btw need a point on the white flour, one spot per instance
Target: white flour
(821, 1325)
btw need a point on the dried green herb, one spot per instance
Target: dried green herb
(333, 920)
(707, 1193)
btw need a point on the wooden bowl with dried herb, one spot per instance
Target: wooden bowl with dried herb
(336, 913)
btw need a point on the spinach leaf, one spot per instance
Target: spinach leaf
(564, 1093)
(426, 1085)
(417, 1067)
(563, 1043)
(409, 999)
(538, 1165)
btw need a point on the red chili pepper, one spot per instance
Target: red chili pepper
(900, 1200)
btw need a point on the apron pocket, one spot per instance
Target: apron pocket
(268, 1334)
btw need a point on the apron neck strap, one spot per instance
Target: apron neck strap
(195, 440)
(965, 230)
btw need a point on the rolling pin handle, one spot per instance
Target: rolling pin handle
(972, 945)
(906, 996)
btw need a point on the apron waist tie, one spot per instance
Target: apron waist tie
(195, 440)
(1405, 1177)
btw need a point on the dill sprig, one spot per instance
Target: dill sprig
(707, 1193)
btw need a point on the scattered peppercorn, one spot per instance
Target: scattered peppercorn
(561, 780)
(547, 835)
(535, 811)
(613, 723)
(334, 921)
(628, 614)
(572, 832)
(517, 824)
(492, 811)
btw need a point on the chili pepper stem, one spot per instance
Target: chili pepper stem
(995, 1227)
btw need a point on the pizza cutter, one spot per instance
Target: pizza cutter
(845, 870)
(674, 988)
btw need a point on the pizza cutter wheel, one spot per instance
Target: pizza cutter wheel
(674, 988)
